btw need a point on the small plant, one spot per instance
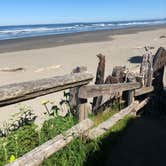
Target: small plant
(65, 105)
(44, 103)
(12, 158)
(64, 108)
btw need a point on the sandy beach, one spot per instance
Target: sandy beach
(49, 56)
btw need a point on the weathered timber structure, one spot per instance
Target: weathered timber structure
(141, 88)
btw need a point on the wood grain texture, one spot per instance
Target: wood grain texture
(14, 93)
(89, 91)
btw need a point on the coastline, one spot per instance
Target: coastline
(49, 41)
(40, 59)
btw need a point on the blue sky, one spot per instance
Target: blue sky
(53, 11)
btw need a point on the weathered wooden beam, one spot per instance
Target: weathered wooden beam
(14, 93)
(89, 91)
(106, 125)
(39, 154)
(143, 90)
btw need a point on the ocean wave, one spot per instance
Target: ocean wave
(9, 32)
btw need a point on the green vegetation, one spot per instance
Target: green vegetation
(102, 116)
(27, 137)
(82, 152)
(18, 143)
(78, 153)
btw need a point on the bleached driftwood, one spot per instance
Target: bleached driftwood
(146, 69)
(7, 69)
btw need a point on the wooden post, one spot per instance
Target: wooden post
(146, 69)
(99, 80)
(78, 103)
(82, 109)
(73, 99)
(130, 93)
(130, 97)
(159, 62)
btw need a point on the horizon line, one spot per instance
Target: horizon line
(146, 19)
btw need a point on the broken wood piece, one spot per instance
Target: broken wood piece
(99, 80)
(162, 36)
(11, 69)
(140, 106)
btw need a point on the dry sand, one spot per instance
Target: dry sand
(39, 63)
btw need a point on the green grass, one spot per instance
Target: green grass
(79, 152)
(18, 143)
(55, 126)
(82, 152)
(27, 138)
(102, 116)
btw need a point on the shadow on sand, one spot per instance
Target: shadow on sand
(135, 59)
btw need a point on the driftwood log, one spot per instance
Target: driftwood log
(159, 63)
(159, 59)
(146, 69)
(39, 154)
(7, 69)
(99, 80)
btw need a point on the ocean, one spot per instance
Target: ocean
(23, 31)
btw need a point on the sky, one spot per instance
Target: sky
(14, 12)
